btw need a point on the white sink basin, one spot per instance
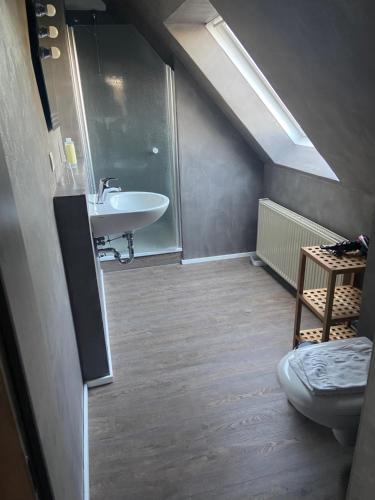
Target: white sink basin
(125, 211)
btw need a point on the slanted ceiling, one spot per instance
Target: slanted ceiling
(317, 55)
(148, 16)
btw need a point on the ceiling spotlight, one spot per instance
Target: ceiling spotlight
(48, 31)
(52, 52)
(45, 10)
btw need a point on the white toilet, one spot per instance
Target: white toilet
(339, 411)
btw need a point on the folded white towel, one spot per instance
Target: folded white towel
(340, 365)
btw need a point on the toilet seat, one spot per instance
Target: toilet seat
(336, 410)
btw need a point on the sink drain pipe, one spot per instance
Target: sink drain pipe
(103, 252)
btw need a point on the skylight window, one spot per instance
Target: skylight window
(225, 37)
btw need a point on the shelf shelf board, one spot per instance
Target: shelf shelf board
(346, 303)
(336, 333)
(348, 263)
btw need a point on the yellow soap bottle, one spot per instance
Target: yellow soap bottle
(70, 153)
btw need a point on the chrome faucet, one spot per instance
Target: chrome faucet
(105, 188)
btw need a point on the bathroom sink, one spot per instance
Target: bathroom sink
(125, 211)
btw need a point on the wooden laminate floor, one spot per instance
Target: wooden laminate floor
(195, 410)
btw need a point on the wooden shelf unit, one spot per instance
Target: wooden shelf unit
(346, 303)
(336, 333)
(334, 305)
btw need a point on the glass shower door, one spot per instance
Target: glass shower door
(129, 108)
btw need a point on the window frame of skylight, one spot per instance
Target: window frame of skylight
(228, 41)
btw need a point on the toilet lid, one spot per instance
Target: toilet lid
(340, 366)
(334, 403)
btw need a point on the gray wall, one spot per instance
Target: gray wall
(344, 210)
(30, 260)
(362, 482)
(221, 177)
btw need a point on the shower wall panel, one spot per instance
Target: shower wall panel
(128, 99)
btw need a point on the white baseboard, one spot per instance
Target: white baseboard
(108, 379)
(86, 465)
(142, 254)
(216, 257)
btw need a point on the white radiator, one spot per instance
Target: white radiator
(281, 234)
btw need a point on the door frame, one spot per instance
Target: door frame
(21, 402)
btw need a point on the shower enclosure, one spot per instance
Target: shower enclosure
(126, 96)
